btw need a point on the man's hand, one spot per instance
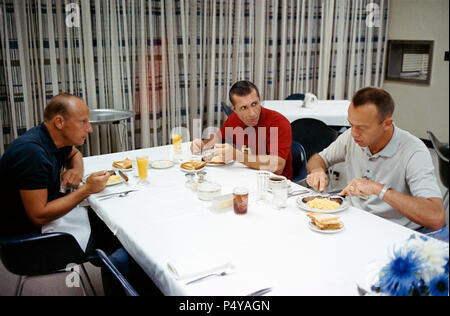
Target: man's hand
(225, 151)
(71, 178)
(96, 182)
(362, 187)
(317, 179)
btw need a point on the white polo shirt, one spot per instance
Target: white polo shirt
(404, 164)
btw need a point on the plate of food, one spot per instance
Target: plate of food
(321, 204)
(124, 165)
(113, 179)
(192, 166)
(325, 223)
(161, 164)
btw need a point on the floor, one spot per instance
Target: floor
(56, 285)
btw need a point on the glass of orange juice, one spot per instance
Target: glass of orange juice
(176, 140)
(142, 164)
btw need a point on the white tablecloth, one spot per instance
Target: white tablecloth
(269, 248)
(332, 112)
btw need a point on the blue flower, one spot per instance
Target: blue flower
(401, 275)
(439, 286)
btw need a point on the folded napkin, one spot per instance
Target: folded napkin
(198, 267)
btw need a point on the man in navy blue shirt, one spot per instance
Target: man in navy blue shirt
(31, 175)
(30, 168)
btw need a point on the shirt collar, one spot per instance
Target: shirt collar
(390, 149)
(47, 139)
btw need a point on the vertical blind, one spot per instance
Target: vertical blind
(173, 61)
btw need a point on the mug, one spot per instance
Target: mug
(309, 99)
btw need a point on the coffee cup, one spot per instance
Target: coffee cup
(276, 180)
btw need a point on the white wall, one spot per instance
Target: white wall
(422, 107)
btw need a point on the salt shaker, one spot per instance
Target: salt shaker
(190, 180)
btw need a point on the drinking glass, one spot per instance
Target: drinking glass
(142, 164)
(262, 182)
(176, 140)
(280, 193)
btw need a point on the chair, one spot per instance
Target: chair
(227, 109)
(314, 135)
(298, 162)
(442, 150)
(130, 291)
(42, 254)
(296, 96)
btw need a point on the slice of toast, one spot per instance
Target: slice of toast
(325, 221)
(323, 218)
(193, 165)
(123, 164)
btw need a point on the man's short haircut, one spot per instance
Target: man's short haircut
(379, 97)
(242, 88)
(58, 105)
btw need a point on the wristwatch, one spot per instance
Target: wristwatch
(383, 191)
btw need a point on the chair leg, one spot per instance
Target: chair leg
(83, 288)
(88, 279)
(20, 283)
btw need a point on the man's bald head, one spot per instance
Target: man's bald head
(61, 104)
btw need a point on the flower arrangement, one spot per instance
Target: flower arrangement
(418, 268)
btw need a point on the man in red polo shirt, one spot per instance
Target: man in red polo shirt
(257, 137)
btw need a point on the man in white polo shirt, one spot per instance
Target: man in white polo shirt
(391, 171)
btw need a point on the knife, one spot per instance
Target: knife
(123, 176)
(260, 292)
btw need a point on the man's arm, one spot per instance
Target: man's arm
(272, 163)
(428, 212)
(198, 145)
(42, 212)
(75, 169)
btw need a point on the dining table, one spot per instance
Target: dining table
(331, 112)
(164, 224)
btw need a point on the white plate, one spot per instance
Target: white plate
(305, 207)
(219, 164)
(161, 164)
(123, 170)
(108, 184)
(325, 231)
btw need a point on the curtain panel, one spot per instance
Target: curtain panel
(173, 62)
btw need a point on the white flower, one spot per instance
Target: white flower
(434, 254)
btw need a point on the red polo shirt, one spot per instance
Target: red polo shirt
(271, 136)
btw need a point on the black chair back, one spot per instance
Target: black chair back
(442, 150)
(298, 162)
(227, 109)
(40, 254)
(314, 135)
(296, 96)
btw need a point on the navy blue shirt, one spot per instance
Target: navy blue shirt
(30, 162)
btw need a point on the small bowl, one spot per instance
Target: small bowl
(207, 191)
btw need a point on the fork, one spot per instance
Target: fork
(123, 194)
(223, 273)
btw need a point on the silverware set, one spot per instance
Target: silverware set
(115, 194)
